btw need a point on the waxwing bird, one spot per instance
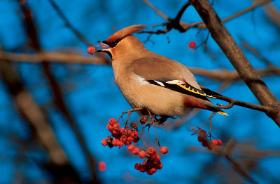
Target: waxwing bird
(153, 82)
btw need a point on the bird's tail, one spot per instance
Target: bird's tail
(215, 108)
(214, 94)
(222, 113)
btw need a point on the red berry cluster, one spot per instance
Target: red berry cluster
(205, 141)
(152, 160)
(119, 136)
(126, 136)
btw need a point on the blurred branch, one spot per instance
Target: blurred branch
(256, 53)
(38, 122)
(57, 93)
(273, 14)
(68, 24)
(226, 151)
(73, 58)
(244, 151)
(237, 58)
(219, 75)
(53, 57)
(157, 11)
(225, 75)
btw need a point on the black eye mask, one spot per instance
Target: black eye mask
(111, 44)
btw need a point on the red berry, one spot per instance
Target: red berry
(116, 126)
(130, 139)
(115, 142)
(112, 121)
(130, 147)
(143, 119)
(91, 50)
(135, 151)
(104, 142)
(163, 150)
(200, 139)
(142, 168)
(142, 154)
(216, 142)
(192, 45)
(102, 166)
(137, 166)
(151, 150)
(133, 125)
(151, 171)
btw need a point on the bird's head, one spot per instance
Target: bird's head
(121, 42)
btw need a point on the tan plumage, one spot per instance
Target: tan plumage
(148, 80)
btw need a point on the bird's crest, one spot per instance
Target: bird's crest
(119, 35)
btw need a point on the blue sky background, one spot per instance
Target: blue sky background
(93, 97)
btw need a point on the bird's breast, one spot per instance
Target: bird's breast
(159, 100)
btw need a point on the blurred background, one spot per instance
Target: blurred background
(53, 115)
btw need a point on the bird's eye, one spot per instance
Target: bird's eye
(111, 44)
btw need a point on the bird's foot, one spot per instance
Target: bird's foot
(129, 113)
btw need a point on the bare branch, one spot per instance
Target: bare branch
(160, 13)
(53, 57)
(236, 57)
(182, 10)
(255, 52)
(74, 58)
(273, 14)
(225, 75)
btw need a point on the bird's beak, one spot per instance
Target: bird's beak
(102, 47)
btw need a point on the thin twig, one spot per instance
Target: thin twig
(181, 11)
(157, 11)
(78, 34)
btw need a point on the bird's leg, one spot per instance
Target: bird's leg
(129, 113)
(161, 119)
(211, 124)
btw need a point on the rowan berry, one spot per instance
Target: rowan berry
(91, 50)
(102, 166)
(192, 45)
(163, 150)
(142, 154)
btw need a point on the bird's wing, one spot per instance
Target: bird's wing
(168, 74)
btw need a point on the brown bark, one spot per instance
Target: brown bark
(37, 120)
(31, 32)
(236, 57)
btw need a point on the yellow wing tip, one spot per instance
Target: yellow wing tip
(222, 113)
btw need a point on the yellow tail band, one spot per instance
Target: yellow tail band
(222, 113)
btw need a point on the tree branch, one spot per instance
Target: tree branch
(158, 11)
(236, 57)
(74, 58)
(52, 57)
(183, 27)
